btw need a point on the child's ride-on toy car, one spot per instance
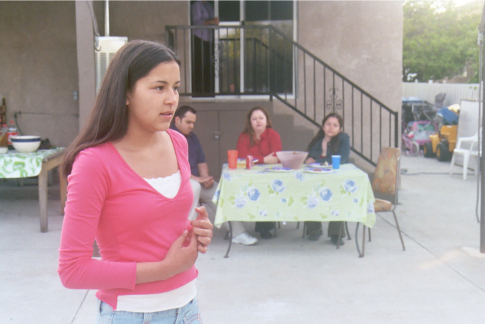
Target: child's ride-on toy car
(443, 143)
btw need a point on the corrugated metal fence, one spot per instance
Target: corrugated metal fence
(455, 92)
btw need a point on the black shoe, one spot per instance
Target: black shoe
(334, 239)
(266, 235)
(315, 236)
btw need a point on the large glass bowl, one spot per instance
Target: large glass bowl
(292, 159)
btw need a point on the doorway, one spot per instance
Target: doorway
(242, 50)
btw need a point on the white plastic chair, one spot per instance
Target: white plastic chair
(471, 150)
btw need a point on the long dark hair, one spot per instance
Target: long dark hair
(335, 141)
(108, 120)
(248, 129)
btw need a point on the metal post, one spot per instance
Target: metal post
(482, 157)
(482, 178)
(482, 168)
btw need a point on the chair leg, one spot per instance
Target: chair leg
(297, 225)
(398, 230)
(369, 235)
(304, 229)
(466, 158)
(452, 163)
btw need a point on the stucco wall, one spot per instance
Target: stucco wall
(360, 39)
(141, 19)
(38, 59)
(38, 67)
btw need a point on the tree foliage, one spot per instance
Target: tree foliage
(440, 39)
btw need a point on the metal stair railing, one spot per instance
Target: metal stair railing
(275, 65)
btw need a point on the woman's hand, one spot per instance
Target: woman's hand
(180, 257)
(310, 160)
(183, 252)
(270, 159)
(202, 228)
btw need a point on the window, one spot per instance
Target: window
(244, 47)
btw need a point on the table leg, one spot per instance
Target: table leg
(363, 241)
(347, 230)
(43, 199)
(230, 240)
(361, 255)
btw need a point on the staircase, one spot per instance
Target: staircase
(303, 88)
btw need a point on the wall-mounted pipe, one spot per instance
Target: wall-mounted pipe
(106, 18)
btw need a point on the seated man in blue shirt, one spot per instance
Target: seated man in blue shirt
(202, 183)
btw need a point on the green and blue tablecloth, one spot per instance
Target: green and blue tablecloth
(259, 195)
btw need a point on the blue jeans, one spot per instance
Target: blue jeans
(188, 314)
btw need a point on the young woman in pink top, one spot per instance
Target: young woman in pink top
(128, 189)
(260, 140)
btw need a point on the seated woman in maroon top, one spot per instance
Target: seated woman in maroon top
(261, 141)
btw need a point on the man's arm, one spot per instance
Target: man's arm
(205, 180)
(203, 169)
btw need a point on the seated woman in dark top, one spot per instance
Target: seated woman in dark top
(330, 140)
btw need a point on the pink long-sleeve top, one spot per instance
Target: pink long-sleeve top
(130, 220)
(269, 142)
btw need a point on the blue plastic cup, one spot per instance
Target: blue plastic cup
(336, 161)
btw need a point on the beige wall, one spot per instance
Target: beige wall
(38, 67)
(360, 39)
(142, 19)
(38, 57)
(85, 59)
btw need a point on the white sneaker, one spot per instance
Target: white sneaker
(244, 239)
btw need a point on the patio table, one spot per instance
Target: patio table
(263, 195)
(23, 165)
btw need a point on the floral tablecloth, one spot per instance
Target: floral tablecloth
(259, 195)
(22, 165)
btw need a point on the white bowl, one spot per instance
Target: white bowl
(292, 159)
(25, 143)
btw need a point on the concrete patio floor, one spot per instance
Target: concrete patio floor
(440, 277)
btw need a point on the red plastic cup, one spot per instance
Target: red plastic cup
(232, 158)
